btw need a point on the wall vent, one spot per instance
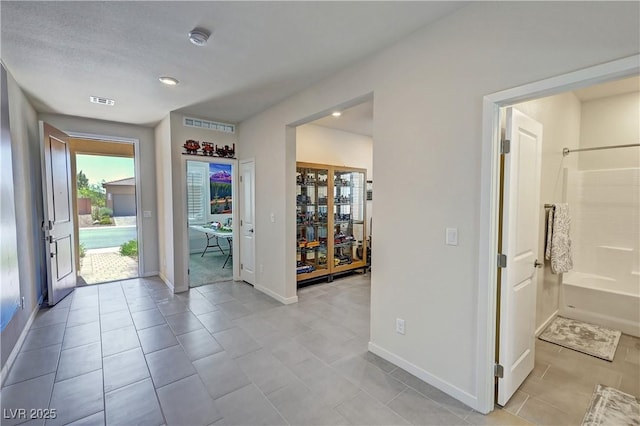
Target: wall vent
(211, 125)
(102, 101)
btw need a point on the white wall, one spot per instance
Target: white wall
(428, 92)
(560, 119)
(614, 120)
(149, 261)
(164, 173)
(27, 176)
(318, 144)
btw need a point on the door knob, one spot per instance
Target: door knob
(537, 264)
(251, 230)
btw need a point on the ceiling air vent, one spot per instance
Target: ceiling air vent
(211, 125)
(102, 101)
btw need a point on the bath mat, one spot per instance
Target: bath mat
(610, 406)
(583, 337)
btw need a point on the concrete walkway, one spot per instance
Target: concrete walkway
(106, 264)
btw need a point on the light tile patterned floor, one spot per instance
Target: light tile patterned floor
(131, 352)
(105, 265)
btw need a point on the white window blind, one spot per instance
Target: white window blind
(197, 192)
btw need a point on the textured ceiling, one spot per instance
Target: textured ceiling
(610, 88)
(357, 119)
(259, 53)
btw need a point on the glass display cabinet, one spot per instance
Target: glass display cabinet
(330, 220)
(312, 221)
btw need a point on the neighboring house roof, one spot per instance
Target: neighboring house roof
(122, 182)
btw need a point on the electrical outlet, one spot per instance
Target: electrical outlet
(399, 326)
(146, 213)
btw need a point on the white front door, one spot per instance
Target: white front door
(247, 222)
(521, 210)
(58, 213)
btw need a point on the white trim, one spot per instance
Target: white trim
(546, 323)
(150, 274)
(241, 207)
(454, 391)
(489, 199)
(136, 164)
(281, 299)
(16, 348)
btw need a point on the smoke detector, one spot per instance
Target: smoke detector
(199, 36)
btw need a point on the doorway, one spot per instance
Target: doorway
(334, 194)
(106, 210)
(553, 184)
(210, 213)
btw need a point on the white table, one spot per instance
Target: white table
(212, 237)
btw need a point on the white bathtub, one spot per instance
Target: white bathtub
(602, 300)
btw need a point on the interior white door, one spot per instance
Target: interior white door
(521, 207)
(247, 222)
(58, 213)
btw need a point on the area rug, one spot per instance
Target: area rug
(583, 337)
(610, 406)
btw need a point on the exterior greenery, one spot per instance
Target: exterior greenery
(130, 248)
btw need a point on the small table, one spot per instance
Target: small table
(212, 236)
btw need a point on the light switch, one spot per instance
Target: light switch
(452, 237)
(272, 216)
(146, 213)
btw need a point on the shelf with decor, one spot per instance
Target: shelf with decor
(330, 220)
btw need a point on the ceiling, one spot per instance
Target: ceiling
(357, 119)
(259, 53)
(610, 88)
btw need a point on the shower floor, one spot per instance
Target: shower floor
(559, 389)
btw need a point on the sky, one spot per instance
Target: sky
(98, 167)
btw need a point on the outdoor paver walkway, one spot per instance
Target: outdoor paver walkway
(102, 265)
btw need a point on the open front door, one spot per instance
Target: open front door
(521, 207)
(58, 213)
(247, 222)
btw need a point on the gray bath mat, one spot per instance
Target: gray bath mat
(610, 407)
(583, 337)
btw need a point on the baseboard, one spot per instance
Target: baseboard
(165, 280)
(150, 274)
(16, 348)
(546, 323)
(284, 300)
(425, 376)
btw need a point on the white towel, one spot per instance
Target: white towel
(558, 239)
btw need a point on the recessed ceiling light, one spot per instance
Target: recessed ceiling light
(336, 113)
(102, 101)
(199, 36)
(169, 81)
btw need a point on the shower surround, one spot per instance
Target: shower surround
(604, 286)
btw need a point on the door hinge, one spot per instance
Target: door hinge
(240, 178)
(241, 266)
(505, 146)
(188, 271)
(502, 260)
(240, 222)
(498, 371)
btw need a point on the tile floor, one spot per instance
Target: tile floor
(130, 352)
(559, 389)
